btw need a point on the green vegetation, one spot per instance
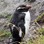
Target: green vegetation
(9, 17)
(6, 15)
(41, 31)
(40, 18)
(4, 34)
(40, 39)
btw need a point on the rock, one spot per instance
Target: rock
(2, 22)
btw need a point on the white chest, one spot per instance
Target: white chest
(27, 22)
